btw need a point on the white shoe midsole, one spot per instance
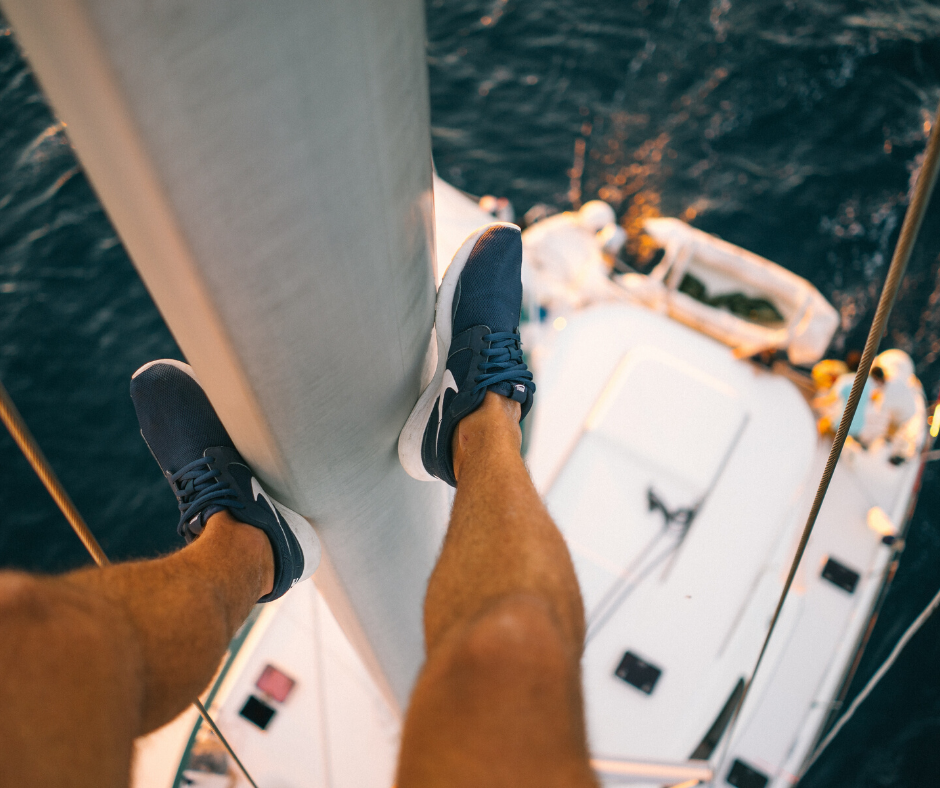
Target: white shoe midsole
(411, 438)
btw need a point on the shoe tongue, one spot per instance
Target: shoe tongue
(490, 287)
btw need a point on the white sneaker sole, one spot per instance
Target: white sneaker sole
(412, 435)
(306, 537)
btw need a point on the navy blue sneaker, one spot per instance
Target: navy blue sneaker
(478, 349)
(208, 474)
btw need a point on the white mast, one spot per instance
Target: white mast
(268, 168)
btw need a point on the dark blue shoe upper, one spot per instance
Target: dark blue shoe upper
(485, 353)
(176, 418)
(203, 467)
(490, 286)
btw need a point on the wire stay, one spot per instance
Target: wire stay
(912, 630)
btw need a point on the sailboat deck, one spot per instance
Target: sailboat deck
(636, 409)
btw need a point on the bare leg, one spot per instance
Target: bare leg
(499, 699)
(92, 659)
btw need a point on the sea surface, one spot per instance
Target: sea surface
(790, 127)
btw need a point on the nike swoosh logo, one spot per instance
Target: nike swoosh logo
(258, 493)
(447, 383)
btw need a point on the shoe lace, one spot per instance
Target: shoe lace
(198, 485)
(503, 362)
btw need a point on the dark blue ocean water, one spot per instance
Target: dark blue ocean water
(790, 127)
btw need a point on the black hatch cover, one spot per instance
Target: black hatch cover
(840, 575)
(638, 672)
(257, 711)
(744, 776)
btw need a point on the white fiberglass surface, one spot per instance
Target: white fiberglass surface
(455, 217)
(672, 415)
(631, 401)
(792, 698)
(334, 729)
(660, 427)
(157, 756)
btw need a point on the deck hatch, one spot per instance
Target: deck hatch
(840, 575)
(638, 672)
(744, 776)
(670, 416)
(257, 711)
(274, 683)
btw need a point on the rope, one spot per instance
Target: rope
(30, 448)
(913, 219)
(27, 443)
(878, 675)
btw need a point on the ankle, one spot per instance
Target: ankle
(248, 542)
(494, 426)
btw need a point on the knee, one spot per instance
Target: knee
(498, 703)
(68, 688)
(40, 601)
(517, 639)
(23, 597)
(48, 612)
(43, 623)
